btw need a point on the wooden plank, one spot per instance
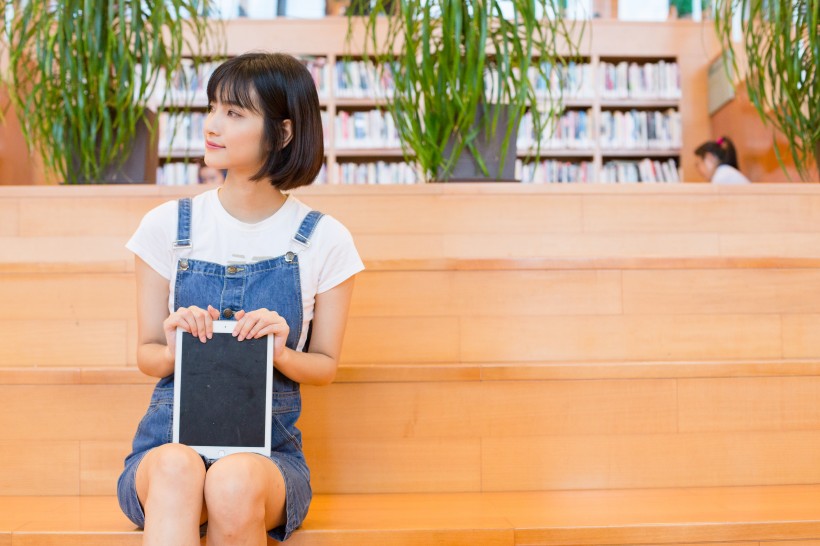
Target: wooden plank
(518, 293)
(90, 538)
(9, 217)
(800, 339)
(46, 342)
(531, 371)
(47, 467)
(399, 246)
(645, 337)
(71, 412)
(401, 339)
(486, 293)
(580, 245)
(79, 254)
(701, 214)
(406, 464)
(85, 297)
(640, 461)
(132, 342)
(100, 465)
(744, 404)
(497, 409)
(785, 244)
(74, 215)
(736, 291)
(663, 516)
(403, 294)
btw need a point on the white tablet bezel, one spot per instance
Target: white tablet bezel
(224, 327)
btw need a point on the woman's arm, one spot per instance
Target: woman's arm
(153, 356)
(318, 367)
(156, 337)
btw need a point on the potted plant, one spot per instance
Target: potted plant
(81, 75)
(465, 71)
(779, 61)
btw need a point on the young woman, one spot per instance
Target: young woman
(246, 252)
(717, 162)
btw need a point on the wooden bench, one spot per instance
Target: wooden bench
(553, 365)
(745, 516)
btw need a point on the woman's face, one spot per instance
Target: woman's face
(706, 165)
(234, 138)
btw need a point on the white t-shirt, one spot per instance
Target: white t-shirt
(726, 174)
(218, 237)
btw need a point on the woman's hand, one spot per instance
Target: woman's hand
(194, 320)
(260, 323)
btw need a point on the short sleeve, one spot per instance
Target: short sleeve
(152, 241)
(342, 260)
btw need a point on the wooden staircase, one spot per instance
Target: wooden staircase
(523, 365)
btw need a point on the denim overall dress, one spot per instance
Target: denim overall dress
(272, 284)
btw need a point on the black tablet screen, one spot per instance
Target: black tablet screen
(222, 391)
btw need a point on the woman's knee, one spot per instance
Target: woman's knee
(236, 487)
(174, 466)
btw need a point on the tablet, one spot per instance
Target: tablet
(222, 392)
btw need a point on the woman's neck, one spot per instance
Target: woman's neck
(250, 201)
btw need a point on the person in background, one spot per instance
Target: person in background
(717, 162)
(210, 175)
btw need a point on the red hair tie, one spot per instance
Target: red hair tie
(720, 141)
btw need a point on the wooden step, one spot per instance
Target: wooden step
(584, 426)
(738, 309)
(732, 516)
(450, 208)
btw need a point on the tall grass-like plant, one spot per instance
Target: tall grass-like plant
(781, 52)
(453, 61)
(81, 72)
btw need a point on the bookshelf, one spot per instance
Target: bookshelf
(587, 157)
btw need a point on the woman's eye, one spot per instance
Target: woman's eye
(233, 113)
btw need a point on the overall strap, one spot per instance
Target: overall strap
(307, 228)
(184, 224)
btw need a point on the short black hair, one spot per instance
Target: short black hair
(284, 89)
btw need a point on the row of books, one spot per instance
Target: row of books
(269, 9)
(571, 131)
(542, 172)
(178, 174)
(181, 132)
(189, 84)
(575, 80)
(554, 172)
(368, 129)
(646, 170)
(361, 80)
(660, 80)
(640, 129)
(379, 172)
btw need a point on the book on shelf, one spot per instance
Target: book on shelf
(362, 80)
(182, 132)
(178, 174)
(377, 172)
(366, 129)
(550, 171)
(573, 80)
(645, 171)
(571, 131)
(631, 80)
(640, 129)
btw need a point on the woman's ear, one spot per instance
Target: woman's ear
(287, 128)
